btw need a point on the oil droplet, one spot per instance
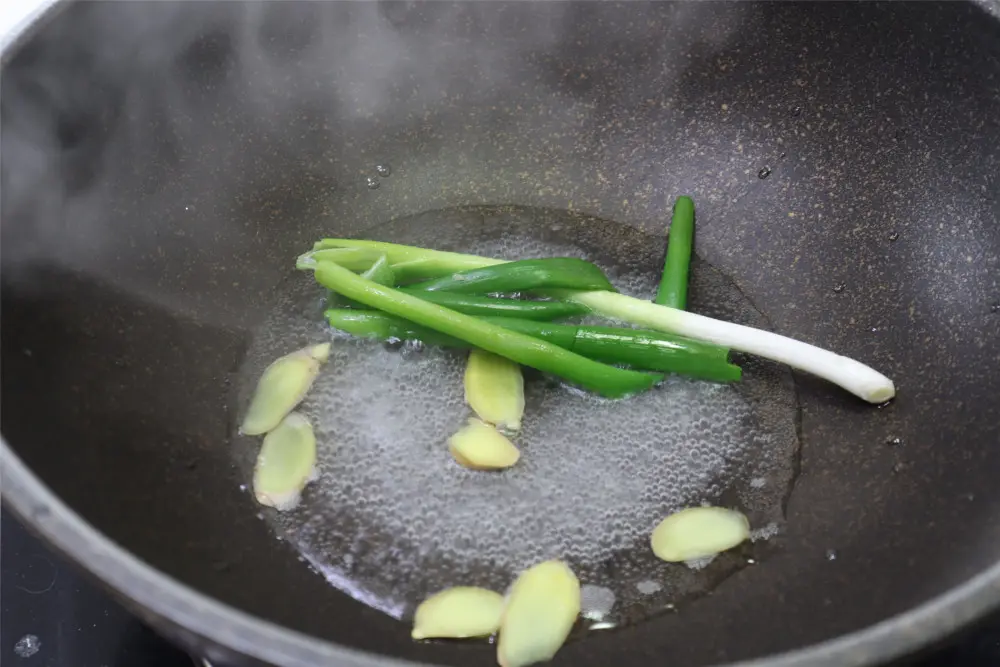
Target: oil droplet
(796, 111)
(995, 308)
(894, 441)
(898, 468)
(894, 236)
(839, 287)
(372, 183)
(383, 170)
(27, 646)
(831, 554)
(764, 173)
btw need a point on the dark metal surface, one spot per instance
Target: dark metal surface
(77, 624)
(157, 181)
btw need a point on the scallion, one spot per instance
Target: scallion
(601, 378)
(636, 348)
(485, 305)
(522, 275)
(674, 283)
(857, 378)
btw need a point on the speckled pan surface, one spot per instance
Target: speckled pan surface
(157, 179)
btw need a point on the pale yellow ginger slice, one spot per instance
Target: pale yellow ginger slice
(282, 386)
(698, 532)
(494, 389)
(542, 607)
(286, 463)
(481, 447)
(462, 611)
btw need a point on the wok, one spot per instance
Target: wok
(164, 163)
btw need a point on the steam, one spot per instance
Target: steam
(129, 124)
(66, 105)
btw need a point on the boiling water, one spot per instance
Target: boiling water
(393, 518)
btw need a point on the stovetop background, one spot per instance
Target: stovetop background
(78, 625)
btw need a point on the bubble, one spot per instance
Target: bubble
(383, 170)
(372, 183)
(894, 236)
(831, 554)
(796, 111)
(764, 173)
(700, 563)
(764, 533)
(648, 587)
(839, 287)
(596, 602)
(27, 646)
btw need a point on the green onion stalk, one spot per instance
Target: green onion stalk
(674, 283)
(635, 348)
(379, 270)
(592, 375)
(853, 376)
(490, 306)
(522, 275)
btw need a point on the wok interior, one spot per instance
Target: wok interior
(392, 519)
(158, 182)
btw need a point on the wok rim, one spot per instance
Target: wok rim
(173, 603)
(160, 598)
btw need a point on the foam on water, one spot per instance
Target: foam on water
(596, 602)
(393, 518)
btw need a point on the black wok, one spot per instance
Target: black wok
(164, 163)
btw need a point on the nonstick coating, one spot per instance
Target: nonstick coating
(163, 163)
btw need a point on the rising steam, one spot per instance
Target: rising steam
(128, 126)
